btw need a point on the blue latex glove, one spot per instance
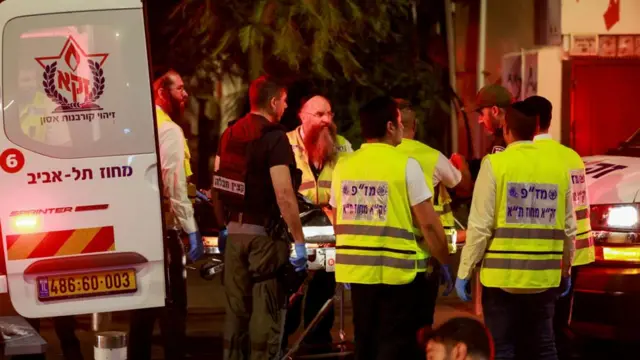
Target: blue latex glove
(565, 286)
(196, 247)
(299, 262)
(222, 240)
(462, 287)
(446, 279)
(201, 196)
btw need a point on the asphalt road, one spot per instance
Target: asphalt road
(206, 318)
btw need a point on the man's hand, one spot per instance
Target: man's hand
(465, 186)
(287, 202)
(446, 279)
(196, 247)
(459, 161)
(462, 289)
(299, 262)
(204, 195)
(565, 286)
(434, 238)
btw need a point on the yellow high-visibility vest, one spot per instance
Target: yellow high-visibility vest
(585, 249)
(317, 191)
(526, 250)
(375, 243)
(428, 159)
(161, 118)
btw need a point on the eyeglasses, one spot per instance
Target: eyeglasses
(320, 114)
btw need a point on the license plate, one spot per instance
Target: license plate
(85, 285)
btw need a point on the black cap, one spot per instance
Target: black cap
(468, 331)
(493, 95)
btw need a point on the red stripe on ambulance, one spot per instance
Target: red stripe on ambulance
(60, 243)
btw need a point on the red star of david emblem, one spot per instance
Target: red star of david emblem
(73, 55)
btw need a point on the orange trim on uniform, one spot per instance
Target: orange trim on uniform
(60, 243)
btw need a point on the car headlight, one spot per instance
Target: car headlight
(615, 217)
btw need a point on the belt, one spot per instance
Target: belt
(248, 218)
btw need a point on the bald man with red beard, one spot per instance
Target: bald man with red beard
(317, 147)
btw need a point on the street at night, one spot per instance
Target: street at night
(206, 321)
(392, 148)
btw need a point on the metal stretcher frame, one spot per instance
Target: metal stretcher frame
(342, 344)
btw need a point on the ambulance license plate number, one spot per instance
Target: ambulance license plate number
(85, 285)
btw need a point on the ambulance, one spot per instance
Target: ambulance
(80, 216)
(607, 291)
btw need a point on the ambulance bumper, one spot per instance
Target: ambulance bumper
(606, 300)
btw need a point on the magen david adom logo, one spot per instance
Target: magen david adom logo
(73, 79)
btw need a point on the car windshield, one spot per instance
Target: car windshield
(631, 147)
(634, 141)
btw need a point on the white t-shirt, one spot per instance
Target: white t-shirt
(416, 186)
(446, 173)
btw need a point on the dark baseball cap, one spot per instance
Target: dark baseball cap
(493, 95)
(468, 331)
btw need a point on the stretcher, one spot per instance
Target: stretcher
(321, 255)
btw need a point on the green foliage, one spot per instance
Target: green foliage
(353, 49)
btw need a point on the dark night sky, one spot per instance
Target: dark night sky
(158, 11)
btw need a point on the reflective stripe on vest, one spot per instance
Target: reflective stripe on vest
(318, 192)
(443, 207)
(526, 250)
(428, 159)
(585, 249)
(375, 243)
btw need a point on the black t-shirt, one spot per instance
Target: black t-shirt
(272, 149)
(497, 145)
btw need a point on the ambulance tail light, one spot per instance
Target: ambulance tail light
(24, 224)
(619, 217)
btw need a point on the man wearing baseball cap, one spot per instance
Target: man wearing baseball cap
(491, 102)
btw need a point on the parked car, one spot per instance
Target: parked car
(607, 292)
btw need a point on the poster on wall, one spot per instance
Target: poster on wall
(584, 45)
(625, 46)
(530, 75)
(512, 75)
(608, 46)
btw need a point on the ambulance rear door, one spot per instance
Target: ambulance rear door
(80, 208)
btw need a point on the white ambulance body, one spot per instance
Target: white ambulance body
(80, 209)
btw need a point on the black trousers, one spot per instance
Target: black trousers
(387, 318)
(561, 320)
(321, 288)
(173, 317)
(65, 327)
(432, 288)
(521, 324)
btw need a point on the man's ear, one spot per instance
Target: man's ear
(459, 352)
(162, 94)
(273, 102)
(390, 126)
(495, 111)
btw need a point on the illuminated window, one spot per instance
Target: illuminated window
(76, 84)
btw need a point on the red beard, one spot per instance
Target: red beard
(320, 144)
